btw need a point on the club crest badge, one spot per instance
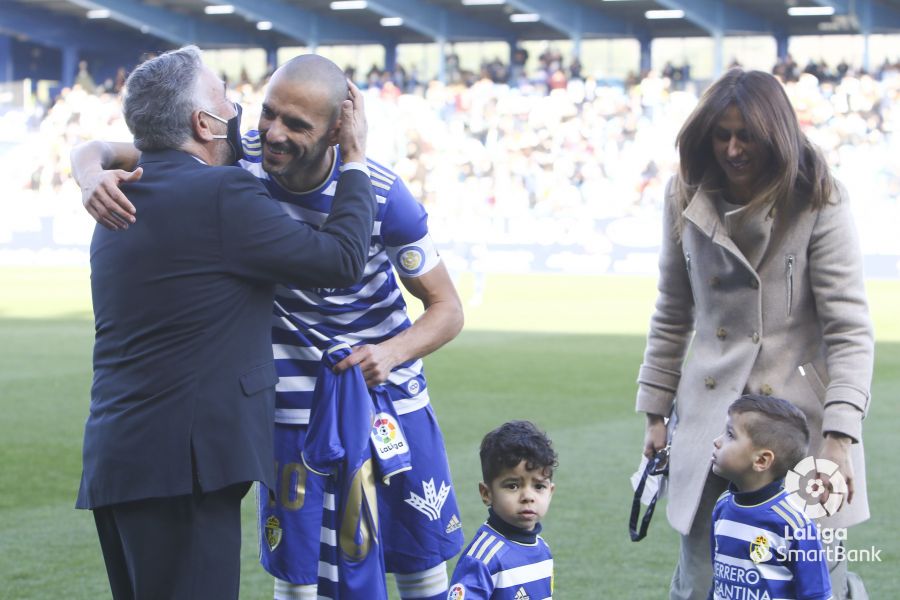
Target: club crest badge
(759, 549)
(273, 533)
(411, 259)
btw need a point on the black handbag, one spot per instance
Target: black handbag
(657, 465)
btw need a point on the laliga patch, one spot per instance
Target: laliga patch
(457, 592)
(411, 259)
(273, 533)
(388, 437)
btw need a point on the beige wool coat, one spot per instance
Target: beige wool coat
(789, 318)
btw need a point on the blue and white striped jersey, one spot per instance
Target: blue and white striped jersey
(495, 567)
(368, 312)
(765, 548)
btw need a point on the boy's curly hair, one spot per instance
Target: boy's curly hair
(513, 442)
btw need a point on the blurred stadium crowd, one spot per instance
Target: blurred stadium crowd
(547, 172)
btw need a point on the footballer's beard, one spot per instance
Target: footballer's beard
(296, 166)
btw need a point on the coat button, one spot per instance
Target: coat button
(710, 382)
(714, 282)
(754, 283)
(721, 333)
(755, 337)
(766, 390)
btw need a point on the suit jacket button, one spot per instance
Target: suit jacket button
(755, 337)
(714, 282)
(721, 333)
(766, 390)
(754, 283)
(710, 382)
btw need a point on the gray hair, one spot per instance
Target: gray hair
(160, 97)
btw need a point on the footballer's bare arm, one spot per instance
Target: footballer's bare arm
(440, 323)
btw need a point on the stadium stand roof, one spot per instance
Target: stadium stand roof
(129, 27)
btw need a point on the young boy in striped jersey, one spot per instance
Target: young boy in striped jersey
(508, 559)
(763, 545)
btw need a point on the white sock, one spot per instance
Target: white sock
(430, 583)
(285, 590)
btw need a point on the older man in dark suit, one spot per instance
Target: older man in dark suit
(182, 402)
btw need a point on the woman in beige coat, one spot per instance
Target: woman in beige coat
(760, 291)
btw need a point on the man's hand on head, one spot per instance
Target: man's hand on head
(353, 127)
(104, 201)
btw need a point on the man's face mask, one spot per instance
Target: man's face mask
(233, 135)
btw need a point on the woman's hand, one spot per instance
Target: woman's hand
(654, 435)
(836, 448)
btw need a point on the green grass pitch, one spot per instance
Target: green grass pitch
(560, 350)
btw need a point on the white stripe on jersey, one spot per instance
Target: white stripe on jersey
(285, 351)
(474, 547)
(296, 384)
(380, 173)
(523, 574)
(329, 572)
(401, 376)
(423, 584)
(294, 416)
(349, 317)
(328, 536)
(373, 265)
(493, 551)
(376, 282)
(796, 511)
(408, 405)
(328, 501)
(739, 531)
(767, 571)
(313, 318)
(316, 218)
(789, 517)
(394, 320)
(300, 416)
(488, 541)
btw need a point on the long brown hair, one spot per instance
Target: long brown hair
(797, 170)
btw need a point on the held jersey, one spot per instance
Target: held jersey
(766, 549)
(368, 312)
(339, 447)
(498, 568)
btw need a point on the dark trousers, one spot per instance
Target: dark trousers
(181, 547)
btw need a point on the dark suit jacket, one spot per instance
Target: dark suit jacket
(183, 369)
